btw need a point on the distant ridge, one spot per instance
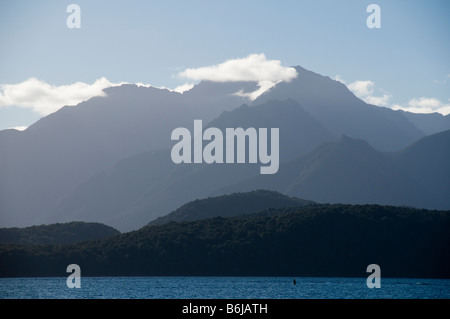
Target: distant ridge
(351, 171)
(65, 233)
(230, 205)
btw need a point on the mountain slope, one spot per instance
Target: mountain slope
(429, 123)
(300, 133)
(348, 171)
(44, 168)
(148, 186)
(56, 233)
(428, 163)
(324, 240)
(331, 103)
(230, 205)
(63, 149)
(142, 188)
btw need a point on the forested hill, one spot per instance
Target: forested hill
(61, 233)
(319, 240)
(231, 205)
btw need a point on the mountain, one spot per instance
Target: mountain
(429, 123)
(346, 171)
(230, 205)
(319, 240)
(56, 233)
(427, 162)
(300, 133)
(141, 188)
(351, 171)
(44, 168)
(342, 113)
(42, 164)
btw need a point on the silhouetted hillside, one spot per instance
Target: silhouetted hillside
(56, 233)
(41, 165)
(427, 162)
(350, 171)
(300, 133)
(325, 240)
(230, 205)
(429, 123)
(141, 188)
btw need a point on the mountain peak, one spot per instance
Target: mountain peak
(341, 112)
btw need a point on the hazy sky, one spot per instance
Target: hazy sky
(404, 64)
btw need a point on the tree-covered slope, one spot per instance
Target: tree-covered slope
(230, 205)
(325, 240)
(64, 233)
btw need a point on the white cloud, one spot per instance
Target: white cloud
(382, 100)
(253, 68)
(184, 87)
(444, 81)
(179, 89)
(424, 105)
(44, 98)
(339, 79)
(361, 88)
(425, 102)
(365, 91)
(263, 87)
(19, 128)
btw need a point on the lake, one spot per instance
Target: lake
(223, 288)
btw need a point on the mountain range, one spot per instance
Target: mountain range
(351, 171)
(108, 159)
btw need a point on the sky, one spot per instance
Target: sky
(45, 65)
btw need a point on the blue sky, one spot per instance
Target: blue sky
(403, 64)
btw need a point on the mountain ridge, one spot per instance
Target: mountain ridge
(230, 205)
(335, 106)
(351, 171)
(49, 161)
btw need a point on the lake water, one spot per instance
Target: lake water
(222, 288)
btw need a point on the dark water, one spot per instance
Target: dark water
(223, 288)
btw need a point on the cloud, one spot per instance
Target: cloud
(365, 91)
(253, 68)
(339, 79)
(179, 89)
(424, 105)
(44, 98)
(19, 128)
(184, 87)
(361, 88)
(444, 81)
(382, 100)
(263, 87)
